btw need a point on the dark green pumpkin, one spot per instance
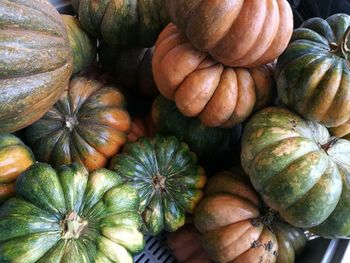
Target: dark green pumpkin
(299, 170)
(131, 68)
(36, 61)
(70, 216)
(206, 142)
(168, 180)
(123, 23)
(313, 74)
(83, 46)
(15, 158)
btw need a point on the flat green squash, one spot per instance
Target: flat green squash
(35, 61)
(313, 73)
(167, 177)
(67, 215)
(300, 170)
(125, 23)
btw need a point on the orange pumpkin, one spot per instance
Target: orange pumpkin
(15, 158)
(185, 245)
(239, 33)
(89, 124)
(200, 86)
(234, 228)
(140, 128)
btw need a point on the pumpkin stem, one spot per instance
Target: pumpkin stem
(73, 226)
(71, 122)
(329, 144)
(159, 182)
(342, 48)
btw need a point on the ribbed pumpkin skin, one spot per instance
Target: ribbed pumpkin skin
(131, 68)
(125, 23)
(36, 61)
(233, 229)
(342, 131)
(299, 170)
(89, 124)
(168, 180)
(208, 143)
(200, 86)
(70, 216)
(238, 33)
(312, 78)
(185, 245)
(83, 46)
(15, 158)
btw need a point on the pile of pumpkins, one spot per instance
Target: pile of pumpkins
(213, 121)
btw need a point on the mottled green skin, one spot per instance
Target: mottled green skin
(206, 142)
(131, 68)
(312, 78)
(296, 172)
(162, 208)
(123, 23)
(83, 46)
(35, 64)
(31, 227)
(291, 242)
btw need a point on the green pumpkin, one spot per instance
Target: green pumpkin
(70, 216)
(168, 180)
(36, 61)
(123, 23)
(299, 170)
(313, 74)
(83, 46)
(131, 68)
(206, 142)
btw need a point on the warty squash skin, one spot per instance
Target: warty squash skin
(83, 46)
(15, 158)
(234, 228)
(313, 74)
(185, 245)
(89, 125)
(131, 68)
(237, 33)
(67, 215)
(125, 23)
(299, 170)
(220, 96)
(36, 61)
(166, 175)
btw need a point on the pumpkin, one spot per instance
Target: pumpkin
(342, 131)
(234, 229)
(200, 86)
(168, 180)
(208, 143)
(141, 127)
(131, 68)
(89, 125)
(36, 61)
(83, 46)
(67, 215)
(123, 23)
(299, 170)
(238, 33)
(15, 157)
(185, 245)
(313, 75)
